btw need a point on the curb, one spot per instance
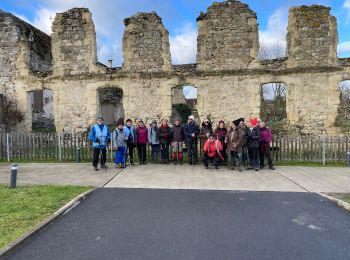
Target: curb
(7, 250)
(339, 202)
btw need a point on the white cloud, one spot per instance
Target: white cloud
(275, 33)
(43, 19)
(344, 48)
(183, 46)
(190, 92)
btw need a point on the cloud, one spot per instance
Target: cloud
(344, 49)
(190, 92)
(346, 5)
(43, 19)
(273, 39)
(183, 46)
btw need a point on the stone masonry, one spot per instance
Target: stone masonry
(228, 73)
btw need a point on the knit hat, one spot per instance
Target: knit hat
(236, 122)
(191, 117)
(100, 118)
(253, 121)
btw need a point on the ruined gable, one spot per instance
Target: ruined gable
(227, 37)
(146, 44)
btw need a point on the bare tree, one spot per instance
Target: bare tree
(272, 52)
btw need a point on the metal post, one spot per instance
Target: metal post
(13, 176)
(59, 148)
(78, 154)
(324, 149)
(348, 158)
(8, 146)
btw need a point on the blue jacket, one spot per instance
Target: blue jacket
(100, 133)
(190, 129)
(133, 133)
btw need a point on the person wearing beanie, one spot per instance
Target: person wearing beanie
(220, 134)
(142, 140)
(234, 140)
(205, 131)
(131, 139)
(212, 151)
(191, 132)
(153, 140)
(177, 137)
(264, 146)
(119, 145)
(253, 135)
(99, 136)
(164, 132)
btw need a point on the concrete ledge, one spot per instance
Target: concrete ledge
(339, 202)
(63, 210)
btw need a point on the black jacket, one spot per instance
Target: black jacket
(164, 135)
(190, 129)
(252, 137)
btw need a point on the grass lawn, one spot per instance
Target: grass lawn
(24, 207)
(346, 198)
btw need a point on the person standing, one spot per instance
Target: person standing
(177, 137)
(142, 137)
(205, 131)
(119, 144)
(131, 139)
(153, 140)
(191, 132)
(253, 144)
(234, 140)
(99, 136)
(164, 132)
(220, 134)
(212, 151)
(244, 143)
(264, 146)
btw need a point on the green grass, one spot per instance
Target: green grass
(346, 198)
(21, 209)
(308, 164)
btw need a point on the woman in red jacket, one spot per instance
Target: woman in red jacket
(142, 139)
(212, 151)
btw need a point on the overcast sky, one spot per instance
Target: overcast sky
(179, 17)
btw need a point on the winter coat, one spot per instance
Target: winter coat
(153, 135)
(205, 129)
(234, 139)
(164, 134)
(252, 136)
(265, 136)
(211, 147)
(220, 133)
(142, 135)
(189, 129)
(177, 133)
(130, 134)
(119, 138)
(245, 134)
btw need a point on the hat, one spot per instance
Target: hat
(191, 117)
(253, 121)
(100, 118)
(154, 121)
(236, 122)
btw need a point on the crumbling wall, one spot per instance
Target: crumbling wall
(74, 42)
(312, 37)
(146, 44)
(227, 37)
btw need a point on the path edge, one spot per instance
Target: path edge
(339, 202)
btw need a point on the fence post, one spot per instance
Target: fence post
(13, 181)
(8, 146)
(323, 149)
(59, 148)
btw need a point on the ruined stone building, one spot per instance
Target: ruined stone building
(228, 73)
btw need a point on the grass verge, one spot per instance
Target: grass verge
(21, 209)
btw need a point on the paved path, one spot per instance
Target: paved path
(193, 224)
(60, 174)
(290, 179)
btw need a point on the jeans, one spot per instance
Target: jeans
(155, 152)
(120, 155)
(96, 156)
(192, 152)
(244, 154)
(141, 149)
(253, 154)
(164, 152)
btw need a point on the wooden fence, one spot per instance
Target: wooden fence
(64, 147)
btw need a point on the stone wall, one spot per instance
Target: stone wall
(74, 42)
(146, 44)
(227, 37)
(312, 36)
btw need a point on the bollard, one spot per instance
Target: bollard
(78, 155)
(13, 176)
(348, 159)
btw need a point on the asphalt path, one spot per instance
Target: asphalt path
(121, 223)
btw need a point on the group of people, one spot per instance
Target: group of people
(238, 145)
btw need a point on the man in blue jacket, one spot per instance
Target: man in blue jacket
(131, 139)
(191, 132)
(99, 136)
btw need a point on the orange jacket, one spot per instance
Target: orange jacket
(211, 147)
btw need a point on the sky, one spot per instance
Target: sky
(179, 17)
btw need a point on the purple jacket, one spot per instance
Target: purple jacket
(265, 135)
(142, 135)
